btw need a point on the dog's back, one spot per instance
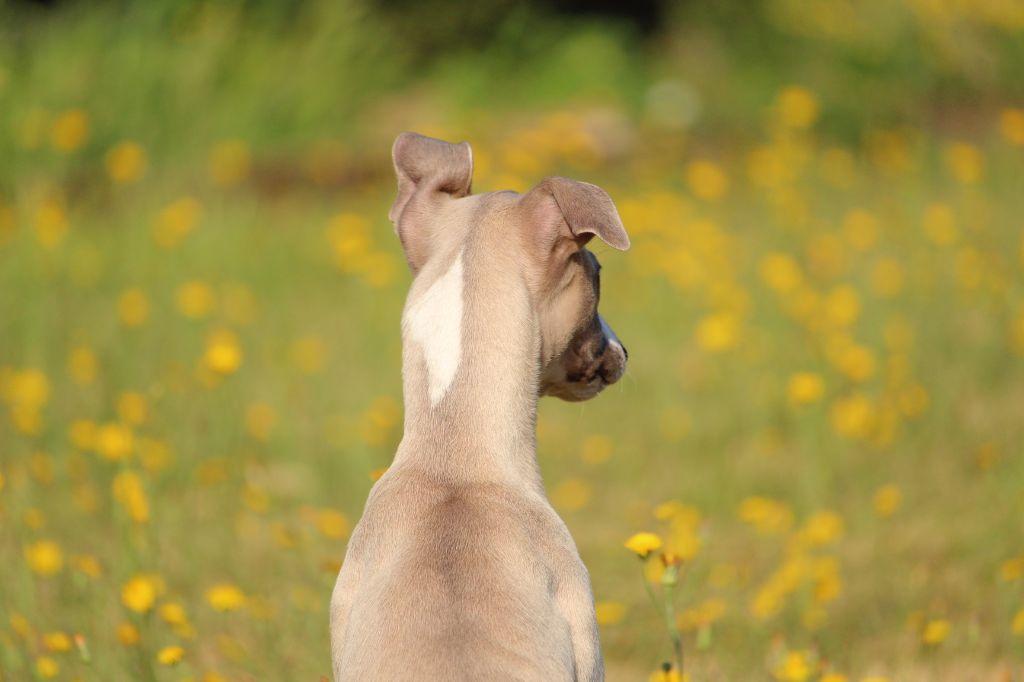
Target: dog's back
(460, 592)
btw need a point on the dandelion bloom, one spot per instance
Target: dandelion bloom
(47, 668)
(571, 494)
(332, 524)
(797, 107)
(139, 593)
(173, 613)
(129, 492)
(718, 332)
(175, 221)
(804, 388)
(707, 180)
(1018, 623)
(128, 634)
(114, 442)
(609, 612)
(887, 500)
(44, 557)
(1011, 125)
(126, 162)
(57, 641)
(196, 299)
(170, 655)
(70, 130)
(642, 544)
(223, 355)
(936, 632)
(225, 597)
(794, 667)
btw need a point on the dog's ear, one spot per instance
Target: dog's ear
(564, 207)
(426, 169)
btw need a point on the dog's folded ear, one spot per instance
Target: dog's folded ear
(425, 165)
(426, 169)
(586, 209)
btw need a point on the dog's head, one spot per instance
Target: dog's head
(547, 228)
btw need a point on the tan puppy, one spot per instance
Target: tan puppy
(459, 568)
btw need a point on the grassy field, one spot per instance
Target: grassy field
(823, 415)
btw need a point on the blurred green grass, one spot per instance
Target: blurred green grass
(824, 306)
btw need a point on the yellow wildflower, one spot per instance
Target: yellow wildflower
(609, 612)
(47, 668)
(126, 162)
(44, 557)
(225, 597)
(131, 495)
(797, 107)
(935, 632)
(805, 387)
(51, 223)
(718, 332)
(887, 500)
(349, 236)
(196, 299)
(128, 634)
(1011, 125)
(139, 593)
(332, 524)
(173, 613)
(767, 515)
(28, 388)
(964, 162)
(175, 221)
(842, 306)
(223, 355)
(170, 655)
(707, 180)
(131, 407)
(853, 416)
(114, 442)
(780, 271)
(822, 528)
(572, 494)
(642, 544)
(1018, 623)
(70, 130)
(57, 641)
(794, 667)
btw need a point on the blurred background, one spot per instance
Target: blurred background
(824, 306)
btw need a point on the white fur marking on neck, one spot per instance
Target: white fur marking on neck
(434, 322)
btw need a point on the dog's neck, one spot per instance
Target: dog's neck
(470, 372)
